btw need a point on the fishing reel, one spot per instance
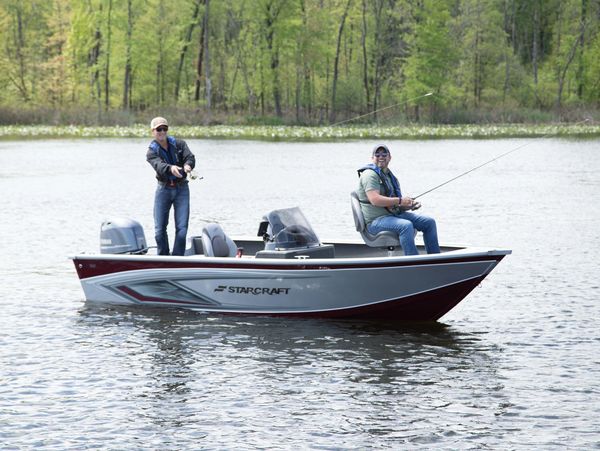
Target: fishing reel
(193, 175)
(414, 206)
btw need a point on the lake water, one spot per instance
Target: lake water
(515, 366)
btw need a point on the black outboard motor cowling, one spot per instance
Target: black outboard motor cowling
(122, 236)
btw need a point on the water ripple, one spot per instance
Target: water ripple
(515, 366)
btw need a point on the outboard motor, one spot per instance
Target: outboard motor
(122, 236)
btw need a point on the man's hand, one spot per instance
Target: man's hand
(405, 203)
(175, 170)
(408, 203)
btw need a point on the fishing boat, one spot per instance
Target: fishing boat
(285, 270)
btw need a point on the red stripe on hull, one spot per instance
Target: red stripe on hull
(142, 298)
(97, 267)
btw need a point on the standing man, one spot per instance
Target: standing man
(384, 207)
(172, 160)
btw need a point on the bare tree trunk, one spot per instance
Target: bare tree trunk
(534, 46)
(272, 13)
(298, 91)
(262, 91)
(582, 26)
(305, 85)
(160, 92)
(19, 82)
(336, 62)
(207, 60)
(563, 73)
(200, 57)
(506, 86)
(221, 98)
(107, 66)
(378, 57)
(93, 59)
(308, 89)
(244, 68)
(184, 48)
(513, 26)
(127, 78)
(299, 63)
(324, 117)
(364, 49)
(276, 87)
(476, 87)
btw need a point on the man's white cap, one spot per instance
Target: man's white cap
(157, 122)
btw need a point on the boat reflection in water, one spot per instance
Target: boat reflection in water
(286, 272)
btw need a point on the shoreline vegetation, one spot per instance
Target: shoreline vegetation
(300, 70)
(303, 133)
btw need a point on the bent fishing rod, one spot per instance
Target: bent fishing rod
(491, 161)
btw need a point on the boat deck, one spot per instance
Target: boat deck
(341, 248)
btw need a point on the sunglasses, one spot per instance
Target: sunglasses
(381, 154)
(162, 129)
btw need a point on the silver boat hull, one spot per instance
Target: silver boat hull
(419, 288)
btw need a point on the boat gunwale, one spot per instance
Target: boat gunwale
(335, 261)
(115, 263)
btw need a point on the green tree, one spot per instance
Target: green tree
(387, 46)
(432, 54)
(55, 66)
(483, 51)
(312, 61)
(23, 31)
(337, 60)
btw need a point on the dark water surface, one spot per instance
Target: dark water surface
(515, 366)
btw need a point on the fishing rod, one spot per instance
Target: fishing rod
(381, 109)
(491, 161)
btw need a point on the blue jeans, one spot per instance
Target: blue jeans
(404, 224)
(164, 198)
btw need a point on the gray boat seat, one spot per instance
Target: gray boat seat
(194, 245)
(215, 243)
(385, 239)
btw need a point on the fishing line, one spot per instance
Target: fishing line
(381, 109)
(492, 160)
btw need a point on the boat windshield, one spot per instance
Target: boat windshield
(290, 229)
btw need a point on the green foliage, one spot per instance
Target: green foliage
(485, 56)
(592, 72)
(432, 54)
(268, 59)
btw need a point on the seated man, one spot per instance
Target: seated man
(384, 207)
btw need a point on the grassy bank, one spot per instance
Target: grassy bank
(295, 133)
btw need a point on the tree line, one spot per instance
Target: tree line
(301, 61)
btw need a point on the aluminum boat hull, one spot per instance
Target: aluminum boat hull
(417, 288)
